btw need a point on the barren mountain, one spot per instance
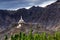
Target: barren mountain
(49, 16)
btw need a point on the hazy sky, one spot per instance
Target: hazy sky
(16, 4)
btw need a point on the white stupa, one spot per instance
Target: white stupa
(21, 21)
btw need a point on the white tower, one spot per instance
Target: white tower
(21, 22)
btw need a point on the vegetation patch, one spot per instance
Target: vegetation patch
(36, 36)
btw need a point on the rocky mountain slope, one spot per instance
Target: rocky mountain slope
(49, 16)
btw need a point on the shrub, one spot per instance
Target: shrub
(36, 36)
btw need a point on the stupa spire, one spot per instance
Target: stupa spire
(21, 18)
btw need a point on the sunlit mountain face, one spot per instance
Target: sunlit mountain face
(16, 4)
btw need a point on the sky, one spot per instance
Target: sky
(16, 4)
